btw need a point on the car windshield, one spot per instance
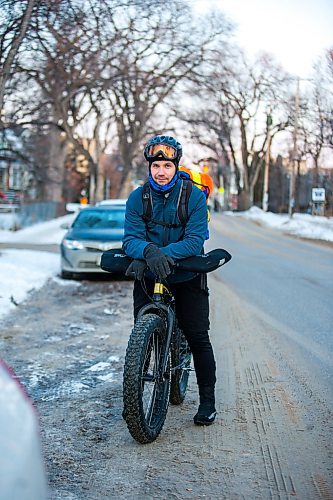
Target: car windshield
(100, 219)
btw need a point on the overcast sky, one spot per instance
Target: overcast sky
(295, 31)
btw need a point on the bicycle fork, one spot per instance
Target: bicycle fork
(159, 290)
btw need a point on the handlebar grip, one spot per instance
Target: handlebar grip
(115, 261)
(205, 263)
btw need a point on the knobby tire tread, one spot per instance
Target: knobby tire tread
(136, 349)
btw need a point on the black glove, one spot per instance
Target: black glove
(157, 261)
(136, 267)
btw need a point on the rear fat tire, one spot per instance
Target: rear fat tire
(180, 355)
(145, 395)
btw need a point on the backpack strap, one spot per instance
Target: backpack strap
(146, 202)
(148, 209)
(184, 196)
(182, 204)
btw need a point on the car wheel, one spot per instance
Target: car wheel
(66, 275)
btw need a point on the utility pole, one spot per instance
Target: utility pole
(294, 154)
(269, 122)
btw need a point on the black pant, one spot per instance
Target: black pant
(192, 310)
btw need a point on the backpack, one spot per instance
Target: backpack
(202, 180)
(189, 178)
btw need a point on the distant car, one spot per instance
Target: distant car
(93, 231)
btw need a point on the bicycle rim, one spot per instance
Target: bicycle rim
(146, 385)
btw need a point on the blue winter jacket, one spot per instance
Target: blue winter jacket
(178, 242)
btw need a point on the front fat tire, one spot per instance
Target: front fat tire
(145, 396)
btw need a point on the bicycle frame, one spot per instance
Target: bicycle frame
(158, 356)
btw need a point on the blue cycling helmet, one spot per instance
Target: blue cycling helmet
(163, 147)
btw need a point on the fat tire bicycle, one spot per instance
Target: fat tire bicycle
(158, 358)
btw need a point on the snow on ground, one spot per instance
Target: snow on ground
(24, 270)
(303, 225)
(43, 233)
(21, 271)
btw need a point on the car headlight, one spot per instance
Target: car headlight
(73, 244)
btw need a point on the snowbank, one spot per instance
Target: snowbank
(303, 225)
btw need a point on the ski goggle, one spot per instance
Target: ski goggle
(168, 152)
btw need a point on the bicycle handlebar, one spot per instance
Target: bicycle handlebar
(116, 261)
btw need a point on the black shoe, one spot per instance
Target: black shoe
(205, 416)
(207, 412)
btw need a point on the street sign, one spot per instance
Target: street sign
(318, 194)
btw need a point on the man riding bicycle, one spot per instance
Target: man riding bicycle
(156, 241)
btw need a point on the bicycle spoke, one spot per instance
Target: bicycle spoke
(152, 392)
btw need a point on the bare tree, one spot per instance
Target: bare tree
(62, 67)
(156, 52)
(235, 98)
(93, 76)
(318, 114)
(315, 133)
(91, 67)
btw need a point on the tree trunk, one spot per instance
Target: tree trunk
(96, 155)
(297, 186)
(316, 172)
(126, 185)
(56, 166)
(92, 182)
(244, 200)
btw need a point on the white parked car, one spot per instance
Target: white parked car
(94, 231)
